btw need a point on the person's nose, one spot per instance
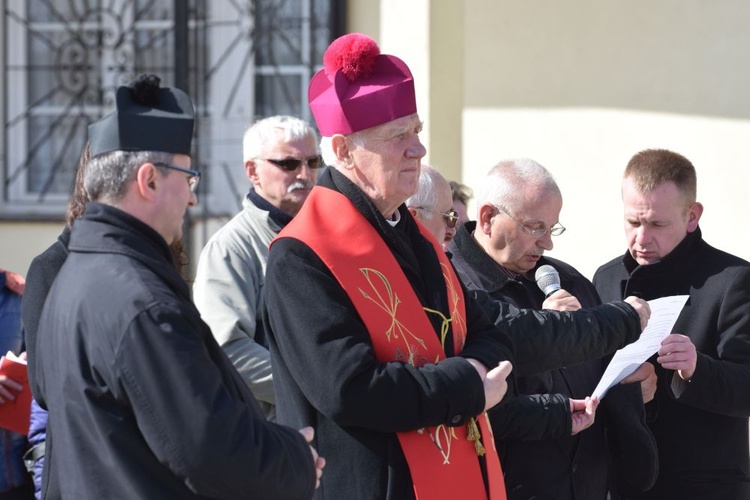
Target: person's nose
(193, 200)
(545, 242)
(642, 235)
(305, 173)
(416, 149)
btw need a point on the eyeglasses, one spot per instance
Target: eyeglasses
(450, 217)
(535, 232)
(292, 164)
(194, 178)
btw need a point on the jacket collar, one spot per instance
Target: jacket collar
(668, 264)
(105, 229)
(487, 273)
(278, 217)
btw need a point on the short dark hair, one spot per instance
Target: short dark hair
(461, 192)
(653, 167)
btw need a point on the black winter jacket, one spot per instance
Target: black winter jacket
(143, 402)
(329, 377)
(701, 427)
(540, 458)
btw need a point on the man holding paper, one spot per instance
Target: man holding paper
(518, 213)
(699, 415)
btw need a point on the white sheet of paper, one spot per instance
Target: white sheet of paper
(664, 313)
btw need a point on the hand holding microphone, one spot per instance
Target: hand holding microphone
(548, 280)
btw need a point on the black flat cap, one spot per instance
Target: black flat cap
(146, 118)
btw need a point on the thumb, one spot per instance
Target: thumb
(308, 433)
(502, 370)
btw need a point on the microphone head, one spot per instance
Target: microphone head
(548, 279)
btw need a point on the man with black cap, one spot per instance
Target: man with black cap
(143, 403)
(373, 341)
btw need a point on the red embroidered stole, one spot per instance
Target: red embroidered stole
(442, 461)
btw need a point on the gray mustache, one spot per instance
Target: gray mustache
(299, 185)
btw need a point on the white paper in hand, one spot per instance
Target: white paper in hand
(15, 358)
(664, 313)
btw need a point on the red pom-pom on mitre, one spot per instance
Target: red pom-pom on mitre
(354, 54)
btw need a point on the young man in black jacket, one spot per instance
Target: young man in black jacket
(699, 415)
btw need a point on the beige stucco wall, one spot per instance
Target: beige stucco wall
(581, 86)
(428, 35)
(20, 242)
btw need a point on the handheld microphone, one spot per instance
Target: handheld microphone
(548, 279)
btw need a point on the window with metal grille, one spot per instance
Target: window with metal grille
(62, 61)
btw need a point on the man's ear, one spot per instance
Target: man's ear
(147, 181)
(251, 170)
(485, 214)
(413, 212)
(341, 148)
(694, 216)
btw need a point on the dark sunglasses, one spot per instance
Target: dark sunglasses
(450, 217)
(292, 164)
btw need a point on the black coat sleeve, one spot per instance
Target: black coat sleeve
(549, 340)
(39, 278)
(635, 459)
(532, 418)
(327, 351)
(182, 403)
(487, 343)
(720, 383)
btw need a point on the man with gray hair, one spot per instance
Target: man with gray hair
(432, 205)
(372, 338)
(281, 162)
(518, 212)
(142, 401)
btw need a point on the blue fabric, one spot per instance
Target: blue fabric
(37, 435)
(12, 445)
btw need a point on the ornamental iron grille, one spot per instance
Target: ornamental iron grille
(63, 60)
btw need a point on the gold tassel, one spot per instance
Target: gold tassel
(474, 435)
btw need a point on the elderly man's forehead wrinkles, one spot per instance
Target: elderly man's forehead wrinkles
(414, 124)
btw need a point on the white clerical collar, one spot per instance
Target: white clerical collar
(395, 218)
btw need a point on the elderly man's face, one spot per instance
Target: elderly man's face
(287, 191)
(657, 221)
(510, 245)
(432, 220)
(386, 166)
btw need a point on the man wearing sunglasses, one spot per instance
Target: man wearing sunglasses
(281, 162)
(518, 214)
(142, 401)
(432, 205)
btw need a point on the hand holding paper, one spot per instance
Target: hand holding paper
(664, 313)
(678, 353)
